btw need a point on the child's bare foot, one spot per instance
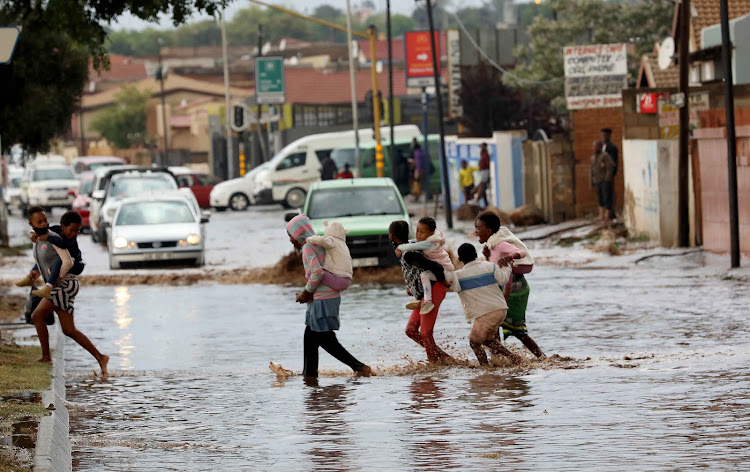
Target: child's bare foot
(45, 360)
(103, 361)
(366, 371)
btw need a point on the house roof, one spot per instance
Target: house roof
(121, 69)
(650, 75)
(172, 83)
(705, 13)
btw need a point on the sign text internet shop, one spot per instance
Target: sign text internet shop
(594, 75)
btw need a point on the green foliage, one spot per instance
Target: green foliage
(575, 22)
(399, 23)
(124, 124)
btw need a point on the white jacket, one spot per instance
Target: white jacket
(479, 286)
(505, 235)
(338, 260)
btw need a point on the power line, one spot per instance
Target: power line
(495, 64)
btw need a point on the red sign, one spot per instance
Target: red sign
(648, 102)
(418, 57)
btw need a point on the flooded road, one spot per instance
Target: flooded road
(657, 379)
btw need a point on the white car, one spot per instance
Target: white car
(48, 186)
(239, 193)
(12, 192)
(158, 227)
(125, 184)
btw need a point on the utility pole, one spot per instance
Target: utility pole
(227, 99)
(726, 56)
(80, 126)
(391, 146)
(376, 103)
(683, 215)
(165, 159)
(262, 143)
(443, 162)
(352, 82)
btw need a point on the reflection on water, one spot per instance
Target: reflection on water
(657, 379)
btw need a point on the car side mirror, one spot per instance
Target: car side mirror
(205, 216)
(98, 195)
(289, 215)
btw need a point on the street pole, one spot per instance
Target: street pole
(262, 143)
(683, 215)
(227, 99)
(443, 161)
(391, 146)
(425, 144)
(726, 56)
(165, 159)
(80, 126)
(375, 103)
(352, 81)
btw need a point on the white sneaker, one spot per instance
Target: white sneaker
(413, 304)
(426, 307)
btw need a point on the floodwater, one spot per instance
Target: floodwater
(653, 375)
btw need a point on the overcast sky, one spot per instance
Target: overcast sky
(306, 6)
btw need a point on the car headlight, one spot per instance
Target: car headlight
(193, 239)
(120, 242)
(111, 213)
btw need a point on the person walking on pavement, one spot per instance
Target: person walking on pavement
(484, 175)
(602, 180)
(609, 147)
(328, 170)
(466, 175)
(419, 168)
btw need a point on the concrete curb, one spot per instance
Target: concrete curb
(53, 450)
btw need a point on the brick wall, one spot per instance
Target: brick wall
(587, 125)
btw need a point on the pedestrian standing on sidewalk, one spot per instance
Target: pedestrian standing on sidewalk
(419, 169)
(602, 172)
(63, 295)
(609, 147)
(322, 315)
(484, 175)
(466, 176)
(503, 247)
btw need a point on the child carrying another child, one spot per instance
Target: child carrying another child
(503, 247)
(63, 237)
(337, 268)
(478, 285)
(430, 240)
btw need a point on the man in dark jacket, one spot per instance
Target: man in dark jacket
(329, 170)
(610, 148)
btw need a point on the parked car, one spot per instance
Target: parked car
(89, 163)
(82, 200)
(157, 227)
(200, 184)
(366, 208)
(238, 193)
(125, 183)
(12, 192)
(297, 165)
(47, 185)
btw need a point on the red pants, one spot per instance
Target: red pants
(425, 323)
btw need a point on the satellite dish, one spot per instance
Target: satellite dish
(266, 49)
(666, 52)
(282, 44)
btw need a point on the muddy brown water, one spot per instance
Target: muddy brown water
(650, 374)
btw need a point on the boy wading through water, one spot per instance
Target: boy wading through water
(322, 315)
(478, 285)
(62, 296)
(503, 247)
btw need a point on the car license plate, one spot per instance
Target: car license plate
(156, 256)
(365, 262)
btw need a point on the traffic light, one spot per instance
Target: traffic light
(239, 117)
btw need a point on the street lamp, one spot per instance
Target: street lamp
(160, 78)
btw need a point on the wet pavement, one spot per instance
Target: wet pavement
(652, 376)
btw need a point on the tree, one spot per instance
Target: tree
(399, 23)
(576, 22)
(43, 84)
(124, 123)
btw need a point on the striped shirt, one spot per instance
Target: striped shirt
(478, 285)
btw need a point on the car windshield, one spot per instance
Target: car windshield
(96, 165)
(354, 201)
(87, 186)
(53, 174)
(155, 213)
(131, 187)
(342, 157)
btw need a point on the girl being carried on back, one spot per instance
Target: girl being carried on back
(430, 240)
(337, 268)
